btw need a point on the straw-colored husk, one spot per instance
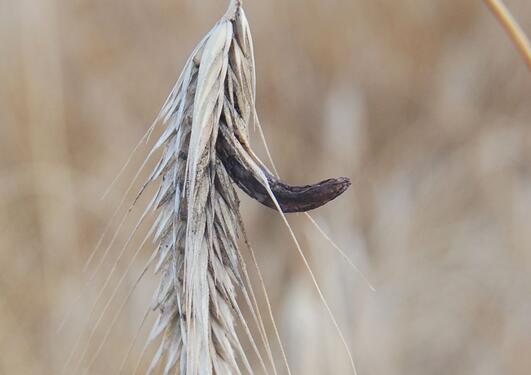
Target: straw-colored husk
(198, 224)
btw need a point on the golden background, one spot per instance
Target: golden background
(426, 105)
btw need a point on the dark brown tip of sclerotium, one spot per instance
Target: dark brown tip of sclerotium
(290, 198)
(306, 198)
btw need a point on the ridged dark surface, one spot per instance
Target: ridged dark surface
(290, 198)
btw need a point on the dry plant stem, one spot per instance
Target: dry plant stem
(517, 34)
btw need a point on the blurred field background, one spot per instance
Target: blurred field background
(426, 105)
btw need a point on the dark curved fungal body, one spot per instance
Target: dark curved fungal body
(290, 198)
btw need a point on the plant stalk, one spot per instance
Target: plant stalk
(516, 33)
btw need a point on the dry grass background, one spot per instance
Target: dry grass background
(426, 105)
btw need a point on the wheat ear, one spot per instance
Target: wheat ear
(205, 151)
(198, 228)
